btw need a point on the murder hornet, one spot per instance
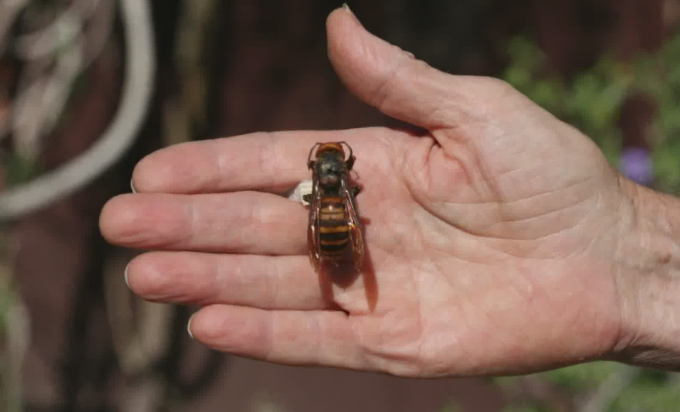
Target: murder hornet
(333, 219)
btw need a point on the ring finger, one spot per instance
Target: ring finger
(266, 282)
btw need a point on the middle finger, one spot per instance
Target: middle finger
(240, 222)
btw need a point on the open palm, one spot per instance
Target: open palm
(487, 238)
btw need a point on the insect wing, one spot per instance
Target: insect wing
(356, 232)
(313, 242)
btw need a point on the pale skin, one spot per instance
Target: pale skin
(499, 242)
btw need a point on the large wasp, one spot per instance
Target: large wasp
(333, 219)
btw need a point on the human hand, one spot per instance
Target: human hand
(492, 240)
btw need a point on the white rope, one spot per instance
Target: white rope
(115, 141)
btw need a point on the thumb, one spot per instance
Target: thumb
(396, 83)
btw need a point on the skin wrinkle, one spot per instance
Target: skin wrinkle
(464, 327)
(375, 350)
(404, 353)
(570, 227)
(270, 330)
(255, 218)
(518, 201)
(637, 334)
(380, 134)
(495, 190)
(532, 198)
(222, 277)
(522, 126)
(273, 284)
(490, 237)
(624, 339)
(475, 164)
(462, 161)
(422, 179)
(433, 246)
(314, 323)
(268, 159)
(441, 117)
(520, 169)
(578, 319)
(527, 294)
(525, 254)
(380, 96)
(221, 164)
(459, 131)
(419, 305)
(475, 235)
(489, 203)
(457, 298)
(483, 113)
(192, 215)
(504, 213)
(597, 233)
(427, 358)
(405, 189)
(361, 344)
(542, 238)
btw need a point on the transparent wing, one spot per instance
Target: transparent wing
(313, 242)
(356, 231)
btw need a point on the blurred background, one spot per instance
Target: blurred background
(88, 87)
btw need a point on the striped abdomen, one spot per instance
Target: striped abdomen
(333, 228)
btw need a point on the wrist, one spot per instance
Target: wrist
(648, 278)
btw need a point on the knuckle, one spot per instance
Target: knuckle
(382, 93)
(267, 160)
(497, 87)
(273, 283)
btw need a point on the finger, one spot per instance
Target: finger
(245, 280)
(272, 162)
(288, 337)
(242, 222)
(399, 85)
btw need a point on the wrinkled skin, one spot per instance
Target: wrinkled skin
(491, 239)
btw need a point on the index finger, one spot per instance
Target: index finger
(272, 162)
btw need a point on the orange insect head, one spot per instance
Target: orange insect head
(328, 147)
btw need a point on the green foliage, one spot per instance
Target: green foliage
(6, 303)
(648, 390)
(592, 100)
(650, 396)
(19, 170)
(528, 407)
(9, 398)
(6, 295)
(453, 406)
(583, 377)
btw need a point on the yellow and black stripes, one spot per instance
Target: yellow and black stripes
(333, 228)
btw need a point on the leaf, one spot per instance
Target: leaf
(19, 170)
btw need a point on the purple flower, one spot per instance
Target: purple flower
(636, 164)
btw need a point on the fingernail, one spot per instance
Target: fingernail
(189, 326)
(345, 7)
(126, 276)
(132, 186)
